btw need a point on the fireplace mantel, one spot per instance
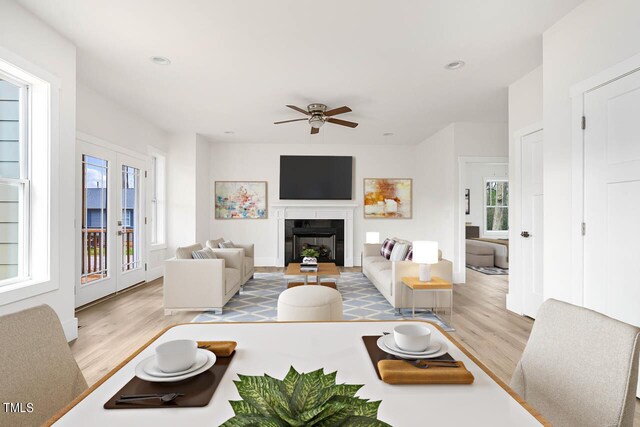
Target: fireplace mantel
(343, 211)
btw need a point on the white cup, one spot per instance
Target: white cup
(176, 356)
(412, 337)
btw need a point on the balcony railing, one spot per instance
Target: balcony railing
(94, 257)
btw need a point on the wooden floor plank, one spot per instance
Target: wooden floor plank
(113, 329)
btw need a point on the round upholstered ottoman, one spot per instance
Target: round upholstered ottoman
(310, 303)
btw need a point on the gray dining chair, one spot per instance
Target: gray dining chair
(36, 367)
(580, 367)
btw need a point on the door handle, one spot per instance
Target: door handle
(525, 234)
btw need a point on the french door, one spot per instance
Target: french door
(111, 224)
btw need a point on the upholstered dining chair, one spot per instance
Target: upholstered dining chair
(580, 367)
(36, 367)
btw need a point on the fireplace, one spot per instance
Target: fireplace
(326, 236)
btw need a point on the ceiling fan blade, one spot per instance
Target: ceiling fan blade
(337, 111)
(293, 107)
(289, 121)
(342, 122)
(314, 130)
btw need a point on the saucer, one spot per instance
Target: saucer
(390, 342)
(153, 369)
(425, 355)
(140, 370)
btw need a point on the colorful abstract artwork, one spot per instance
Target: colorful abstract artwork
(241, 199)
(387, 198)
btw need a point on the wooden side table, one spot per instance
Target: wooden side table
(435, 285)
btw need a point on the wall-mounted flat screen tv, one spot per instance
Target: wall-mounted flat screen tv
(316, 177)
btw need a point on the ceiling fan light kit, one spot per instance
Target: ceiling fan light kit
(318, 115)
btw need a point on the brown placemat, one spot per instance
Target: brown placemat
(376, 355)
(197, 390)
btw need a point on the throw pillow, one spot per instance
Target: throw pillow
(205, 253)
(387, 247)
(399, 252)
(409, 256)
(226, 244)
(215, 244)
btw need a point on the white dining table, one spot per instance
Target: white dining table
(272, 348)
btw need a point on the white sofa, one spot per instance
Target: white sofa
(248, 264)
(202, 284)
(387, 277)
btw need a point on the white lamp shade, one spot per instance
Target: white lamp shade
(373, 237)
(425, 252)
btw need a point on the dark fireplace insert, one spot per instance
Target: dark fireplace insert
(326, 236)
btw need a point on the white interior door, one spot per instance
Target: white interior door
(130, 217)
(532, 234)
(111, 222)
(95, 188)
(612, 199)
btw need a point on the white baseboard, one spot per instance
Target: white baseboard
(70, 328)
(154, 273)
(264, 262)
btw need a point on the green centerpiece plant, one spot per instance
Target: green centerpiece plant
(301, 399)
(310, 252)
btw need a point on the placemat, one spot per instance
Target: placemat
(376, 355)
(197, 390)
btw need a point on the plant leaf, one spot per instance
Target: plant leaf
(242, 407)
(314, 416)
(306, 395)
(250, 420)
(328, 380)
(290, 381)
(261, 393)
(359, 421)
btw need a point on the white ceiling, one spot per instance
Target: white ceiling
(235, 64)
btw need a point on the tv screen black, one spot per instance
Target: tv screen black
(316, 177)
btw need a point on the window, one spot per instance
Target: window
(14, 181)
(496, 205)
(158, 222)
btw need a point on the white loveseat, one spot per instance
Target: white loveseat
(387, 276)
(248, 264)
(202, 284)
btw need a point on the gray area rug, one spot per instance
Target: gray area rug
(491, 271)
(361, 300)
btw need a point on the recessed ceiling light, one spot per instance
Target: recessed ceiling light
(160, 60)
(454, 65)
(229, 132)
(387, 134)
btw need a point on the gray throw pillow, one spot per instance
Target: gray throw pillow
(205, 253)
(226, 244)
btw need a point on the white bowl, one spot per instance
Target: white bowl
(412, 337)
(176, 356)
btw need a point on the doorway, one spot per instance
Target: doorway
(111, 222)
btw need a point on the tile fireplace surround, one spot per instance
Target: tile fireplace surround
(343, 211)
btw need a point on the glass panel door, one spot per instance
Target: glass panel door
(131, 237)
(95, 227)
(130, 218)
(94, 242)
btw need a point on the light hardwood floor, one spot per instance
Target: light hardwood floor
(111, 330)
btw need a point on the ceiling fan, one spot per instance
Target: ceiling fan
(318, 115)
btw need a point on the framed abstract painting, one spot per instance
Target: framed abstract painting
(241, 199)
(387, 198)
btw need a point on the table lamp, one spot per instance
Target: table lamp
(373, 237)
(425, 253)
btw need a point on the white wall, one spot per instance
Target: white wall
(100, 117)
(595, 36)
(181, 191)
(437, 190)
(26, 36)
(474, 178)
(203, 188)
(261, 162)
(525, 101)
